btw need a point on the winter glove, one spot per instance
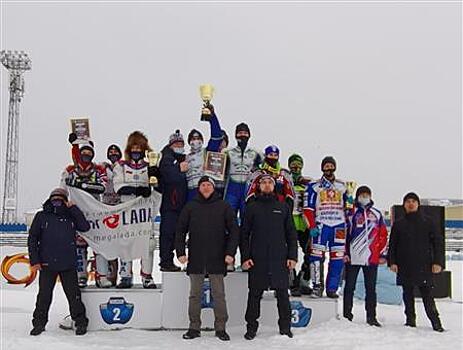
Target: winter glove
(211, 108)
(143, 191)
(71, 181)
(154, 171)
(92, 187)
(314, 232)
(72, 138)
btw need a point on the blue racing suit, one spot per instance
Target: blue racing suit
(326, 215)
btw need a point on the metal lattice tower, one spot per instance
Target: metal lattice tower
(17, 62)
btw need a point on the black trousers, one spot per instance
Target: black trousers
(294, 277)
(370, 274)
(47, 281)
(428, 302)
(253, 309)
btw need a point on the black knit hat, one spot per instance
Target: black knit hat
(242, 127)
(87, 146)
(113, 147)
(206, 178)
(362, 189)
(328, 159)
(411, 195)
(194, 133)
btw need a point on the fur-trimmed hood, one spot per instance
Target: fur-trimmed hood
(136, 138)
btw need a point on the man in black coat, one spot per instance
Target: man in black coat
(416, 252)
(52, 250)
(213, 238)
(268, 251)
(172, 168)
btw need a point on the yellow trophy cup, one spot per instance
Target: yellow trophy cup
(153, 160)
(350, 189)
(206, 91)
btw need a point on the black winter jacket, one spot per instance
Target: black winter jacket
(269, 238)
(414, 246)
(212, 231)
(52, 236)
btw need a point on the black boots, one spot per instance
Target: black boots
(349, 316)
(222, 335)
(250, 334)
(125, 283)
(373, 322)
(410, 322)
(437, 325)
(81, 330)
(286, 332)
(332, 294)
(37, 330)
(191, 334)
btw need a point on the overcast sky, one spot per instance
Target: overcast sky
(376, 85)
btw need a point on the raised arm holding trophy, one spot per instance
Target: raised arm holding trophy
(206, 92)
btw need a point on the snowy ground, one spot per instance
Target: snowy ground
(17, 304)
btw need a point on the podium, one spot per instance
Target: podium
(122, 308)
(167, 306)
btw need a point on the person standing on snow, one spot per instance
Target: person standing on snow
(213, 236)
(268, 251)
(52, 251)
(416, 252)
(366, 243)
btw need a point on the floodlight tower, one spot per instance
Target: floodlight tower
(16, 62)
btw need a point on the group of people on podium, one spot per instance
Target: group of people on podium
(258, 206)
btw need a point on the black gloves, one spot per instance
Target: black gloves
(154, 171)
(72, 137)
(143, 191)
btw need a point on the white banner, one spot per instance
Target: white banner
(118, 231)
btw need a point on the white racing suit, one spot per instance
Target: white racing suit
(130, 180)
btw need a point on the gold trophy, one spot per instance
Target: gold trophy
(206, 92)
(350, 189)
(153, 160)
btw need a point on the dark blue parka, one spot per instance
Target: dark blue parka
(52, 236)
(173, 181)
